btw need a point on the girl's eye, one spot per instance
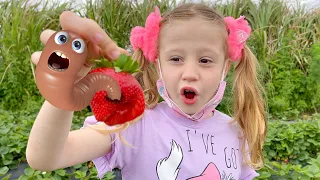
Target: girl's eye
(205, 61)
(175, 59)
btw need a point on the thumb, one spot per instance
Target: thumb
(35, 57)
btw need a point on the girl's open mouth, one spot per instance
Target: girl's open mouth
(189, 95)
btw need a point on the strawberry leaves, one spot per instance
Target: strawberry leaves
(102, 63)
(126, 64)
(123, 64)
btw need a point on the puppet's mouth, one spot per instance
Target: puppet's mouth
(58, 61)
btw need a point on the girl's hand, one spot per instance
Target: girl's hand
(99, 43)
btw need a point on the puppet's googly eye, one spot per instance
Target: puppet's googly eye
(61, 37)
(78, 45)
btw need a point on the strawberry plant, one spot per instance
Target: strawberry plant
(293, 142)
(14, 131)
(285, 171)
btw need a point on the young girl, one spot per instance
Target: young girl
(184, 57)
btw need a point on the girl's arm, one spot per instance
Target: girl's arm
(51, 145)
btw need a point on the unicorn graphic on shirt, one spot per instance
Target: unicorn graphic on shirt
(168, 167)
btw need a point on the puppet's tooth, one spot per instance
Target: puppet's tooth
(63, 56)
(58, 53)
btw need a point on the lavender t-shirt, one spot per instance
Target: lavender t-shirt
(168, 146)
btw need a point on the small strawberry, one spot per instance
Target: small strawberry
(131, 104)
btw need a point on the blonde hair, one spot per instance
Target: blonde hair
(147, 77)
(249, 104)
(249, 108)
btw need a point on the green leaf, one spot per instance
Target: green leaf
(109, 175)
(103, 63)
(126, 64)
(29, 171)
(8, 156)
(57, 177)
(80, 174)
(272, 153)
(134, 67)
(127, 67)
(7, 162)
(264, 174)
(4, 130)
(7, 177)
(77, 166)
(4, 150)
(123, 64)
(84, 168)
(23, 177)
(117, 69)
(120, 62)
(46, 174)
(61, 172)
(37, 173)
(4, 170)
(276, 164)
(282, 172)
(313, 169)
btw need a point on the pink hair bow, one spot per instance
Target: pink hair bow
(146, 38)
(239, 32)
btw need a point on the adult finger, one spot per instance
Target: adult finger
(123, 51)
(45, 35)
(91, 31)
(35, 57)
(95, 52)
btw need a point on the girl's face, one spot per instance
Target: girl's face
(192, 59)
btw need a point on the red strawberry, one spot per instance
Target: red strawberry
(131, 104)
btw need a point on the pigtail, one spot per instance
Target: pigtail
(249, 108)
(147, 77)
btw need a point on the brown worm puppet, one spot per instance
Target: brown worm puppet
(62, 58)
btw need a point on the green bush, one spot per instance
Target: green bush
(293, 142)
(293, 88)
(14, 132)
(287, 171)
(291, 147)
(292, 151)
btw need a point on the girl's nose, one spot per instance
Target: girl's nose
(190, 72)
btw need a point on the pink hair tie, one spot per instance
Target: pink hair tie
(146, 38)
(239, 32)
